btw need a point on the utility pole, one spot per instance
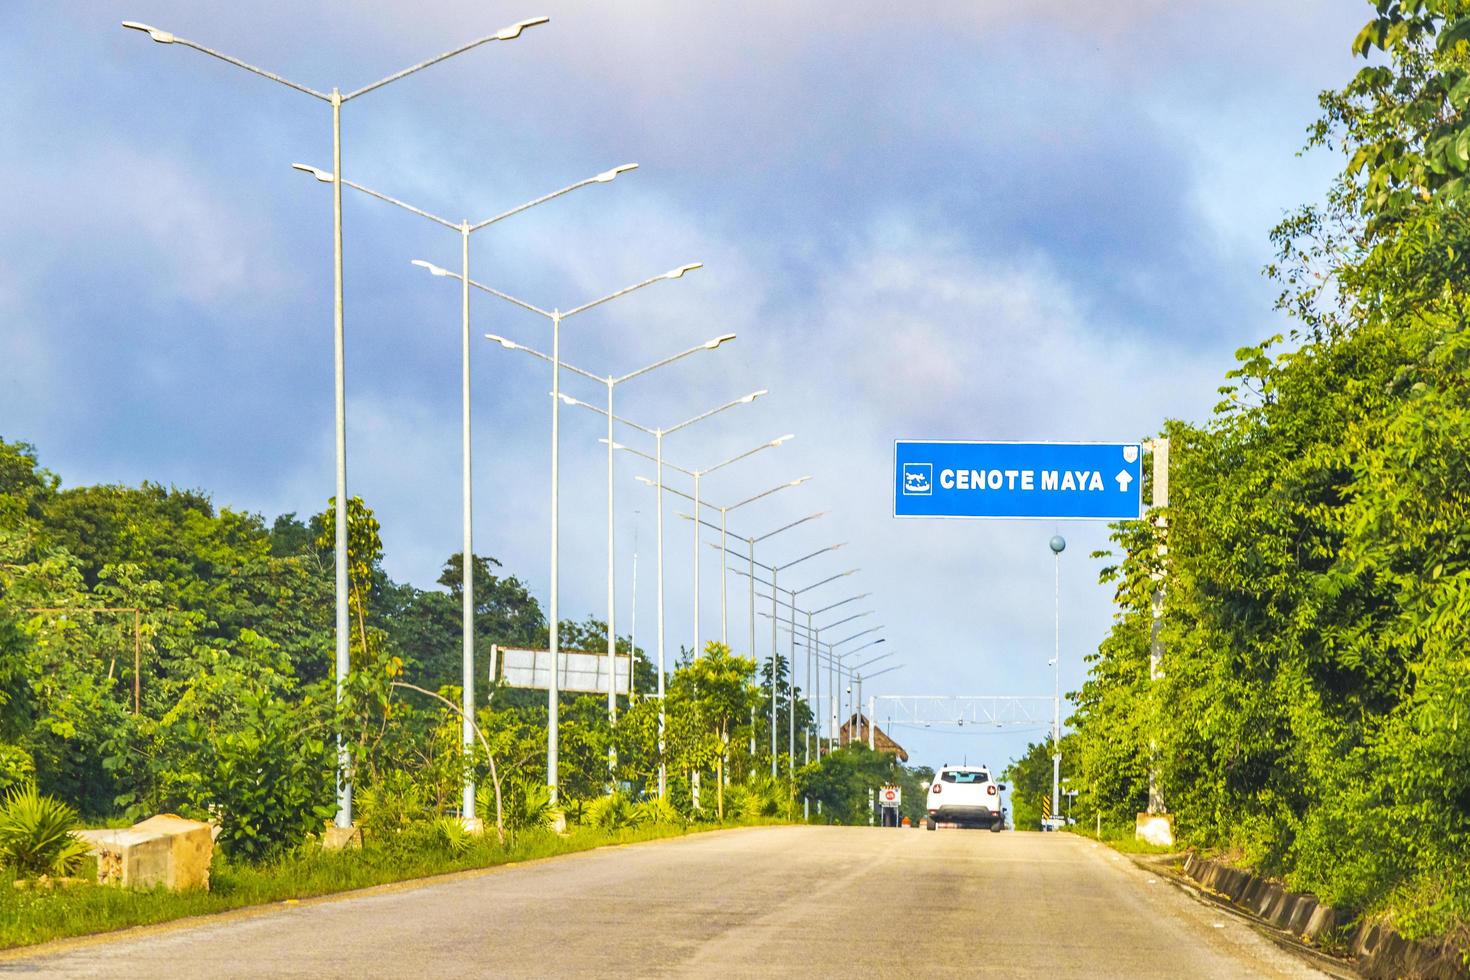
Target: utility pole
(1160, 450)
(1058, 545)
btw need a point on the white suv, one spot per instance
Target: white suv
(965, 795)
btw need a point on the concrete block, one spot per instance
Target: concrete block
(474, 826)
(1155, 828)
(336, 838)
(165, 851)
(1322, 921)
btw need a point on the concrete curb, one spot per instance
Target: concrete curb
(1379, 953)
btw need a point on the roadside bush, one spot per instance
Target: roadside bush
(527, 805)
(16, 767)
(36, 834)
(612, 812)
(272, 781)
(390, 810)
(655, 811)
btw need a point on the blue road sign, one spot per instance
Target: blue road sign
(1041, 480)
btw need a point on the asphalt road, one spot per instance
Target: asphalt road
(778, 901)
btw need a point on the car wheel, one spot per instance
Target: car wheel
(996, 827)
(929, 824)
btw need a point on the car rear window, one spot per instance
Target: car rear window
(951, 776)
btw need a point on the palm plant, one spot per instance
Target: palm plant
(36, 834)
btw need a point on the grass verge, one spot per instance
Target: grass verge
(29, 916)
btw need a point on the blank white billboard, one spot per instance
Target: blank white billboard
(582, 672)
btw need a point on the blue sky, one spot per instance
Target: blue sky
(1025, 220)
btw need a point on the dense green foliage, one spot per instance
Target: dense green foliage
(1317, 616)
(237, 719)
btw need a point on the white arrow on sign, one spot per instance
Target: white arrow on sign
(1124, 478)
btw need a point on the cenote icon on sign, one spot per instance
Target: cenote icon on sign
(1038, 480)
(918, 479)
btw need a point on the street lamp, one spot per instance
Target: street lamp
(556, 316)
(611, 383)
(724, 529)
(335, 99)
(776, 571)
(658, 440)
(698, 474)
(467, 577)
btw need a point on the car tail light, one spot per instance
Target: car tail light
(937, 787)
(990, 789)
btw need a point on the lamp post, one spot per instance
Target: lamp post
(791, 697)
(812, 636)
(556, 317)
(724, 529)
(611, 383)
(837, 659)
(1058, 544)
(776, 571)
(658, 441)
(467, 566)
(814, 640)
(698, 474)
(335, 99)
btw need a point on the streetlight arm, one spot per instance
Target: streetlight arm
(787, 527)
(885, 670)
(512, 345)
(707, 345)
(830, 578)
(749, 452)
(602, 178)
(743, 556)
(881, 656)
(847, 619)
(750, 500)
(326, 177)
(874, 629)
(165, 37)
(819, 551)
(709, 524)
(443, 273)
(504, 34)
(818, 612)
(654, 459)
(672, 274)
(569, 400)
(715, 411)
(870, 643)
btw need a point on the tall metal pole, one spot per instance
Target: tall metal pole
(663, 778)
(612, 633)
(633, 626)
(694, 651)
(872, 708)
(344, 657)
(791, 695)
(553, 700)
(1058, 544)
(467, 565)
(1160, 450)
(724, 591)
(775, 653)
(814, 681)
(750, 580)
